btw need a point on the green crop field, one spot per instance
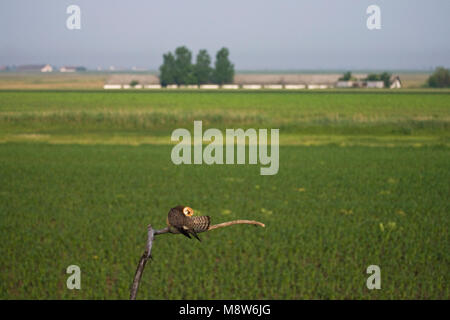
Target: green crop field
(363, 180)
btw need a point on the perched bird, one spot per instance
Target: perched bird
(180, 220)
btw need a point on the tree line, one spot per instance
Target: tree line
(385, 77)
(178, 68)
(440, 78)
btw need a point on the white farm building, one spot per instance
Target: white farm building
(375, 84)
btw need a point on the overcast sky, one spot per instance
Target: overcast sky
(261, 34)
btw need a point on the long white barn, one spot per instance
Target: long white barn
(253, 82)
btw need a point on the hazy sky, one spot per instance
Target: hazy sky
(261, 34)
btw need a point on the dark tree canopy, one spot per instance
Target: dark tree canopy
(440, 78)
(224, 71)
(385, 77)
(184, 73)
(134, 83)
(202, 68)
(346, 76)
(373, 77)
(178, 68)
(167, 70)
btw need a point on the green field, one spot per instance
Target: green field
(348, 118)
(363, 179)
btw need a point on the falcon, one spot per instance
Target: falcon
(180, 220)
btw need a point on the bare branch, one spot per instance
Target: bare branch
(230, 223)
(142, 262)
(151, 233)
(162, 231)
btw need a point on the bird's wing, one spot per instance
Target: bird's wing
(184, 231)
(195, 235)
(177, 220)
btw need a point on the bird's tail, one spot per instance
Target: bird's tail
(200, 224)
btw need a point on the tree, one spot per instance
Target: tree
(134, 83)
(184, 70)
(202, 68)
(347, 77)
(178, 68)
(373, 77)
(224, 69)
(386, 78)
(167, 70)
(440, 78)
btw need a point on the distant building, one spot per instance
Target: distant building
(273, 86)
(295, 86)
(112, 86)
(47, 68)
(253, 81)
(152, 86)
(251, 86)
(35, 68)
(71, 69)
(345, 84)
(230, 86)
(125, 79)
(375, 84)
(317, 86)
(207, 86)
(395, 82)
(286, 79)
(67, 69)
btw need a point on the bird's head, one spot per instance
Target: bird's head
(187, 211)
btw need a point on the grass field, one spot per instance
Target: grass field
(302, 117)
(53, 80)
(364, 179)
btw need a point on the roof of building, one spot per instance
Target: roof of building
(30, 67)
(127, 78)
(289, 78)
